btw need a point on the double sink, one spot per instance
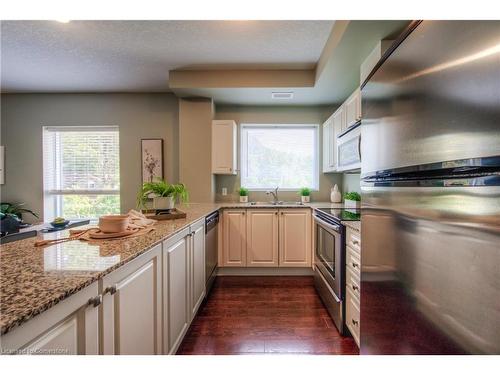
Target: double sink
(276, 203)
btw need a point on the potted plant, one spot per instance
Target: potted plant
(243, 192)
(352, 200)
(305, 195)
(11, 215)
(164, 194)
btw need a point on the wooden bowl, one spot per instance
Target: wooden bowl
(113, 223)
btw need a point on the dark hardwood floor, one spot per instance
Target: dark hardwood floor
(264, 315)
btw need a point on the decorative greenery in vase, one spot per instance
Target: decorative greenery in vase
(352, 199)
(163, 193)
(305, 194)
(243, 193)
(11, 215)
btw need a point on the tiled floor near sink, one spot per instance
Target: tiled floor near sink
(264, 315)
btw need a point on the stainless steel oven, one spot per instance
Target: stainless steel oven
(329, 260)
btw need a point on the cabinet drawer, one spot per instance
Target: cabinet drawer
(353, 261)
(353, 285)
(353, 239)
(352, 316)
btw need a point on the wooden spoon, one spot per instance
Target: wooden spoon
(61, 240)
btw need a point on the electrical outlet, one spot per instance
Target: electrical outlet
(224, 191)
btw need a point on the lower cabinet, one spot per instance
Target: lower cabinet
(197, 265)
(175, 290)
(353, 282)
(70, 327)
(262, 238)
(132, 306)
(183, 282)
(234, 242)
(295, 247)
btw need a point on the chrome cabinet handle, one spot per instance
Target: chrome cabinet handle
(355, 322)
(95, 301)
(355, 264)
(110, 289)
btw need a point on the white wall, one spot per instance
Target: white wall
(137, 115)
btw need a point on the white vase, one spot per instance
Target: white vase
(335, 196)
(352, 204)
(163, 203)
(305, 198)
(243, 198)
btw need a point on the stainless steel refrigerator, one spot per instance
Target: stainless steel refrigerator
(430, 181)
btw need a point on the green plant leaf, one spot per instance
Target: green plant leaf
(352, 195)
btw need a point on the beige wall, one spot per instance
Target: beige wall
(351, 183)
(195, 132)
(276, 115)
(137, 115)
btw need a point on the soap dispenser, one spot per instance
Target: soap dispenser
(335, 196)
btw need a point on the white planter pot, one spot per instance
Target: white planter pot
(243, 198)
(305, 198)
(352, 204)
(163, 203)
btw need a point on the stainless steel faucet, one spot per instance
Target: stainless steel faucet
(274, 194)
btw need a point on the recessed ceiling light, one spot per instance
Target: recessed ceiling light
(63, 21)
(282, 95)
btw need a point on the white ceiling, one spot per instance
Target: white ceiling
(135, 56)
(337, 81)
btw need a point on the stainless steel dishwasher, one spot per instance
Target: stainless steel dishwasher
(211, 240)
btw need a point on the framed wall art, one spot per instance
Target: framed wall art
(152, 159)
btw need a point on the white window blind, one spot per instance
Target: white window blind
(279, 155)
(81, 171)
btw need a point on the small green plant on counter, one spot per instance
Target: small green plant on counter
(15, 210)
(243, 192)
(161, 188)
(352, 196)
(305, 192)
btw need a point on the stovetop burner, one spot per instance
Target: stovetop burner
(343, 214)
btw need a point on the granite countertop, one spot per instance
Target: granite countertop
(33, 279)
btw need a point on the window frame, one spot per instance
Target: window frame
(52, 198)
(244, 146)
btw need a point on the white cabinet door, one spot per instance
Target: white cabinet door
(132, 306)
(70, 327)
(234, 246)
(176, 290)
(295, 238)
(353, 108)
(197, 263)
(328, 146)
(262, 238)
(224, 147)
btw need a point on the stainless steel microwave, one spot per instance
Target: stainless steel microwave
(349, 149)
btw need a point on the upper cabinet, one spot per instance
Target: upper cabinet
(353, 108)
(328, 145)
(224, 145)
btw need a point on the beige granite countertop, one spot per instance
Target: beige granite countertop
(33, 279)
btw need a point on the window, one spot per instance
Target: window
(81, 171)
(279, 155)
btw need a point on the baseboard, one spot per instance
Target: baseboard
(265, 271)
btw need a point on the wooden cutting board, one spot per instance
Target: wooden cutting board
(170, 215)
(98, 235)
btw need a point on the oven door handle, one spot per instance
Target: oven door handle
(336, 228)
